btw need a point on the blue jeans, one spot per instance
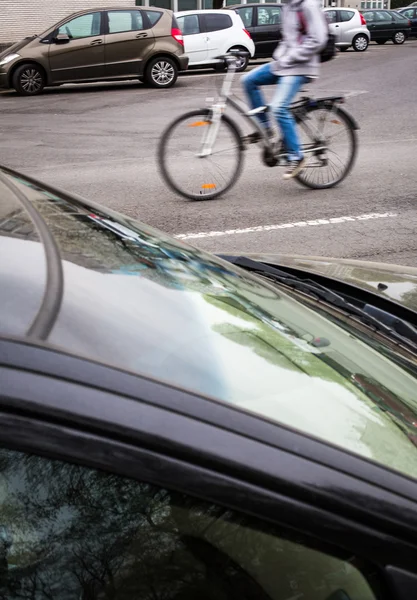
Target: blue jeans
(286, 90)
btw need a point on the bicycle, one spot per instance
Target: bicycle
(215, 123)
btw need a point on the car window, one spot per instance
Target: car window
(153, 16)
(331, 16)
(382, 15)
(124, 20)
(369, 17)
(72, 532)
(408, 13)
(246, 14)
(82, 26)
(346, 15)
(216, 22)
(269, 15)
(189, 24)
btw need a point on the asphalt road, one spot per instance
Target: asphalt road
(99, 141)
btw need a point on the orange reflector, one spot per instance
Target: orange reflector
(208, 186)
(198, 124)
(336, 122)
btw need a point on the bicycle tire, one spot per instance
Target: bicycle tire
(343, 116)
(168, 177)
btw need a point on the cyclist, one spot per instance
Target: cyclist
(295, 61)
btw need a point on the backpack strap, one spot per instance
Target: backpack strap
(302, 24)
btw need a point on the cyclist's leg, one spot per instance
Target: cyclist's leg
(251, 81)
(286, 90)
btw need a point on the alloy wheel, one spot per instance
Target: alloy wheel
(31, 80)
(162, 72)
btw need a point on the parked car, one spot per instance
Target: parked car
(411, 15)
(349, 28)
(98, 45)
(413, 4)
(178, 425)
(263, 21)
(385, 25)
(210, 33)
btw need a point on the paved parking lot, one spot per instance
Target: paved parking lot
(100, 140)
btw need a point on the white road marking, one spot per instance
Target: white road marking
(262, 228)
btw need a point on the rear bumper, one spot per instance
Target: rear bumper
(183, 60)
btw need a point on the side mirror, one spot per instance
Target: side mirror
(61, 38)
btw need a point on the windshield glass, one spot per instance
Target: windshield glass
(141, 301)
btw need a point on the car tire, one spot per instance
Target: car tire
(161, 72)
(360, 43)
(399, 38)
(28, 80)
(380, 42)
(343, 48)
(244, 60)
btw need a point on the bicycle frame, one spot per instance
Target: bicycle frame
(219, 107)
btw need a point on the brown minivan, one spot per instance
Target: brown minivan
(98, 45)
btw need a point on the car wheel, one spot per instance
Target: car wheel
(399, 37)
(242, 61)
(28, 80)
(161, 72)
(343, 48)
(360, 43)
(380, 42)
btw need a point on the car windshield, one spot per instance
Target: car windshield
(141, 301)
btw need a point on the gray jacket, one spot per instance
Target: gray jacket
(298, 54)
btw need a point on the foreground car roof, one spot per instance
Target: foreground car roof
(100, 286)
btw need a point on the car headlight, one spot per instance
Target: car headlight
(7, 59)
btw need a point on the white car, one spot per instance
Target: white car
(209, 33)
(349, 27)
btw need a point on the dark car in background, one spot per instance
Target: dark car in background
(411, 15)
(263, 21)
(98, 45)
(385, 25)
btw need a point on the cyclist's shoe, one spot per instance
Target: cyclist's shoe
(294, 167)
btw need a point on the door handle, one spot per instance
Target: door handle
(142, 35)
(336, 25)
(96, 42)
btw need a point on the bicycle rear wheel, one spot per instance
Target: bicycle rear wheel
(194, 177)
(330, 131)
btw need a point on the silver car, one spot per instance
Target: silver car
(349, 27)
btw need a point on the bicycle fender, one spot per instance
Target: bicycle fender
(326, 102)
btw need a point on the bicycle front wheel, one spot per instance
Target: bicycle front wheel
(329, 143)
(182, 165)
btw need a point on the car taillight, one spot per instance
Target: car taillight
(247, 33)
(176, 34)
(363, 20)
(409, 23)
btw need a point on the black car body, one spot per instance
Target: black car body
(174, 426)
(263, 21)
(411, 14)
(385, 25)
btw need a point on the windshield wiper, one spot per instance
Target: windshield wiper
(381, 320)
